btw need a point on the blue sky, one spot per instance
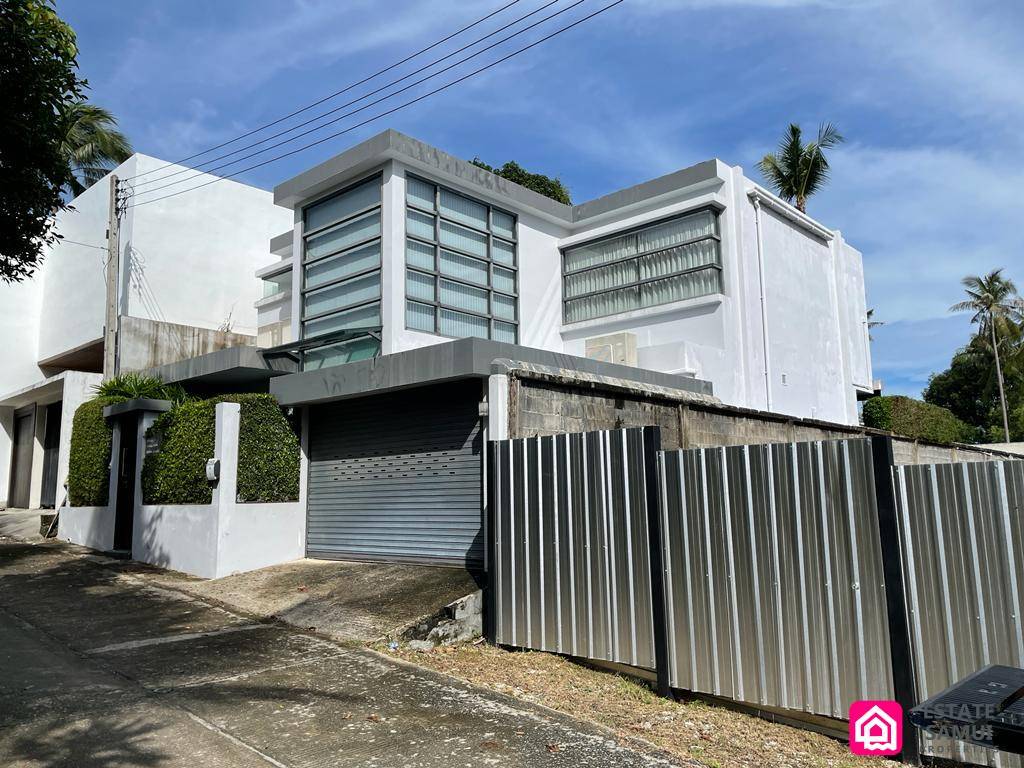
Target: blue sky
(929, 94)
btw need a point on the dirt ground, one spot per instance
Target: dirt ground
(693, 732)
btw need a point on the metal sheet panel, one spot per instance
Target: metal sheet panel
(571, 546)
(398, 477)
(775, 588)
(961, 531)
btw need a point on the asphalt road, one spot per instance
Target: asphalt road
(99, 668)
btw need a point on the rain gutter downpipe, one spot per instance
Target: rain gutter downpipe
(764, 303)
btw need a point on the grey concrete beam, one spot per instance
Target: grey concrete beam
(460, 359)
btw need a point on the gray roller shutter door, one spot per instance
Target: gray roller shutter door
(398, 477)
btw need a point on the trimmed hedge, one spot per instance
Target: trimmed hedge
(915, 419)
(268, 453)
(89, 457)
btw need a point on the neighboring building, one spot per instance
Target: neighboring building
(185, 288)
(696, 281)
(698, 273)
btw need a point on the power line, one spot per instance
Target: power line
(390, 111)
(384, 87)
(336, 93)
(84, 245)
(370, 104)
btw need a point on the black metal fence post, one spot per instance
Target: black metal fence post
(652, 481)
(901, 649)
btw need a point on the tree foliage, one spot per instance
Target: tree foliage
(914, 419)
(89, 457)
(797, 170)
(91, 144)
(538, 182)
(38, 60)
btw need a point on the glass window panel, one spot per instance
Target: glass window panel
(504, 280)
(419, 225)
(419, 192)
(277, 284)
(344, 205)
(463, 296)
(419, 317)
(503, 253)
(503, 224)
(419, 254)
(343, 294)
(337, 354)
(419, 286)
(461, 208)
(600, 253)
(679, 259)
(342, 237)
(602, 304)
(504, 332)
(701, 283)
(601, 279)
(347, 263)
(503, 306)
(677, 231)
(464, 267)
(464, 239)
(361, 317)
(460, 325)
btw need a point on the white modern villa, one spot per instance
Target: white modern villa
(699, 273)
(185, 288)
(419, 306)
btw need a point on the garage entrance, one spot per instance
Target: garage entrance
(398, 477)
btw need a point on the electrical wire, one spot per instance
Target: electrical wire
(199, 167)
(365, 106)
(390, 111)
(336, 93)
(84, 245)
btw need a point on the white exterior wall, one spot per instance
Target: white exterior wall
(191, 259)
(813, 303)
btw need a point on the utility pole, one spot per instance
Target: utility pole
(110, 328)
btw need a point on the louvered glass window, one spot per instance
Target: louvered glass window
(341, 285)
(670, 261)
(461, 262)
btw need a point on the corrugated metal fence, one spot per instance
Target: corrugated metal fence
(962, 530)
(765, 574)
(774, 575)
(571, 546)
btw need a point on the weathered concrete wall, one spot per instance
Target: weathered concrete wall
(151, 343)
(548, 408)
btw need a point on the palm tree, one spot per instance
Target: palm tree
(92, 144)
(998, 311)
(872, 323)
(799, 170)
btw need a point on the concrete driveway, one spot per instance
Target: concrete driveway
(100, 668)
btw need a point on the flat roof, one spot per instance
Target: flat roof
(449, 361)
(392, 145)
(226, 367)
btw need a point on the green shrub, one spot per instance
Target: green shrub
(912, 418)
(89, 457)
(268, 453)
(129, 386)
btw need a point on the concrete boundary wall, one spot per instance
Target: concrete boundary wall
(206, 540)
(91, 527)
(551, 406)
(226, 536)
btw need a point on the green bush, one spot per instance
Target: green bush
(268, 453)
(89, 457)
(912, 418)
